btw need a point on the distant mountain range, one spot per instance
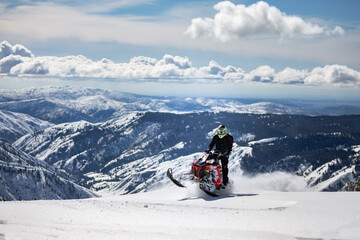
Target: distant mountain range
(67, 104)
(111, 142)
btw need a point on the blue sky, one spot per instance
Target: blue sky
(243, 48)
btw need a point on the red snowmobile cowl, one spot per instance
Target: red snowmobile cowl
(207, 167)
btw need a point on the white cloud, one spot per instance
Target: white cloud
(290, 75)
(216, 70)
(143, 60)
(70, 21)
(168, 68)
(53, 20)
(180, 62)
(262, 74)
(8, 62)
(6, 49)
(336, 31)
(237, 21)
(31, 66)
(335, 75)
(11, 56)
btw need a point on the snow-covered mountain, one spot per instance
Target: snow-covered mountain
(131, 154)
(325, 166)
(45, 110)
(23, 177)
(14, 125)
(95, 105)
(67, 104)
(114, 142)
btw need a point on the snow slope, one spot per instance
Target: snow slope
(14, 125)
(176, 213)
(127, 154)
(23, 177)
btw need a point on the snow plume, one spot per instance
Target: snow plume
(276, 181)
(18, 60)
(237, 21)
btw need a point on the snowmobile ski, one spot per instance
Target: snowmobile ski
(170, 176)
(179, 184)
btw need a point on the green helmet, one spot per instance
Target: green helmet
(221, 131)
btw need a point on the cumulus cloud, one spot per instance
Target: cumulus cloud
(336, 75)
(9, 62)
(180, 62)
(228, 72)
(31, 66)
(168, 68)
(236, 21)
(61, 20)
(290, 75)
(11, 56)
(143, 60)
(262, 74)
(6, 50)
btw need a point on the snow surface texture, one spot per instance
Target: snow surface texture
(176, 213)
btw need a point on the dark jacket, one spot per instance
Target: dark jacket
(223, 145)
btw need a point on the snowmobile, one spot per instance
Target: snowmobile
(206, 171)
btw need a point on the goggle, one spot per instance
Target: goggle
(221, 131)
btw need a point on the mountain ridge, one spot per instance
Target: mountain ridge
(23, 177)
(97, 105)
(107, 152)
(112, 142)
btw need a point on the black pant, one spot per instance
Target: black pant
(225, 170)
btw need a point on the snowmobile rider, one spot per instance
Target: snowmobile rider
(223, 143)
